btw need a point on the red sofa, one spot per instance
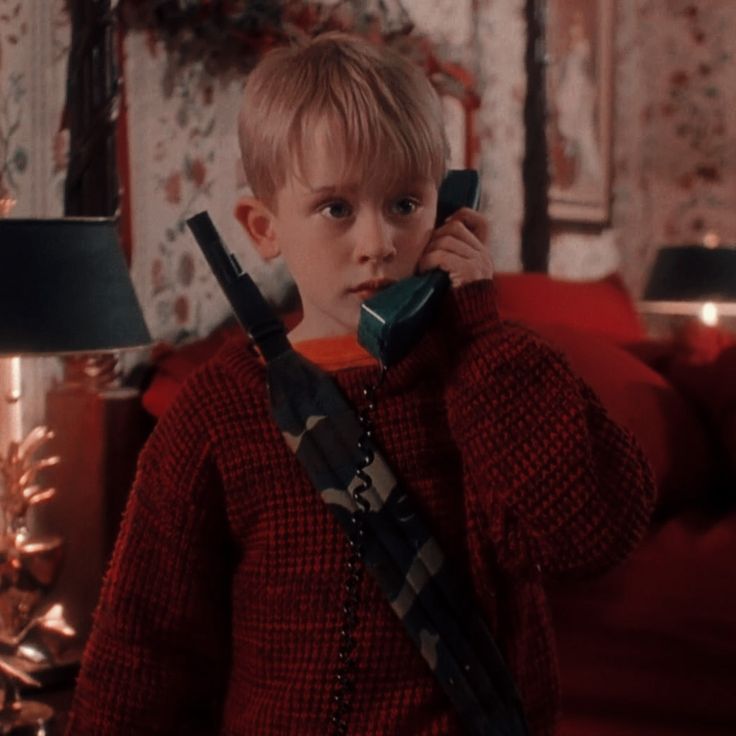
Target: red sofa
(648, 649)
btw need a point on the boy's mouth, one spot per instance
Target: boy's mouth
(368, 288)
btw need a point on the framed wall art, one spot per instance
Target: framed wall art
(579, 41)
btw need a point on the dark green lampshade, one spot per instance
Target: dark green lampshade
(693, 273)
(65, 287)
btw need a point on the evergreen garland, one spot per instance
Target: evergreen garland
(232, 35)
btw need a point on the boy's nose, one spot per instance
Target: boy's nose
(373, 240)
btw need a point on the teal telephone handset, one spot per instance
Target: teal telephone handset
(392, 321)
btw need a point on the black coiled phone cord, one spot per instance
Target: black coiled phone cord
(342, 696)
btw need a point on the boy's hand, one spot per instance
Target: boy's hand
(460, 247)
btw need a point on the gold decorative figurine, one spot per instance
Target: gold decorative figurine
(31, 627)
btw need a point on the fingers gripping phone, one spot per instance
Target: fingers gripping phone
(394, 320)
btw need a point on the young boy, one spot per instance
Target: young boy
(222, 610)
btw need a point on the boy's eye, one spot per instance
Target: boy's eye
(404, 206)
(337, 210)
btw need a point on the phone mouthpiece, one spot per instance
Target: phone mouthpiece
(394, 320)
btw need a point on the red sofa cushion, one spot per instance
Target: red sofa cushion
(712, 386)
(601, 307)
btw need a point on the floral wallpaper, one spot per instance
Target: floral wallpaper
(34, 39)
(693, 109)
(184, 159)
(13, 156)
(13, 142)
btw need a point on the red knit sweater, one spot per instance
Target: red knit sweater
(221, 610)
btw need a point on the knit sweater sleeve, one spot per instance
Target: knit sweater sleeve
(157, 652)
(550, 478)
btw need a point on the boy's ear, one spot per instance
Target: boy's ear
(257, 219)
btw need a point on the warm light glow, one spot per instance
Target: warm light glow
(709, 314)
(711, 239)
(6, 205)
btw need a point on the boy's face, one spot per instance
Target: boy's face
(343, 240)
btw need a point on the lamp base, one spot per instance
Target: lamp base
(26, 718)
(92, 371)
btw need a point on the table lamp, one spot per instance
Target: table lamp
(64, 290)
(693, 280)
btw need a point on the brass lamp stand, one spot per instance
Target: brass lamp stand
(64, 290)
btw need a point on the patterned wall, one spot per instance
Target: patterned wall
(500, 45)
(183, 159)
(34, 40)
(688, 153)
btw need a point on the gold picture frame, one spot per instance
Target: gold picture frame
(579, 87)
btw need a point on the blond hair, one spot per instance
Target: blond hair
(378, 105)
